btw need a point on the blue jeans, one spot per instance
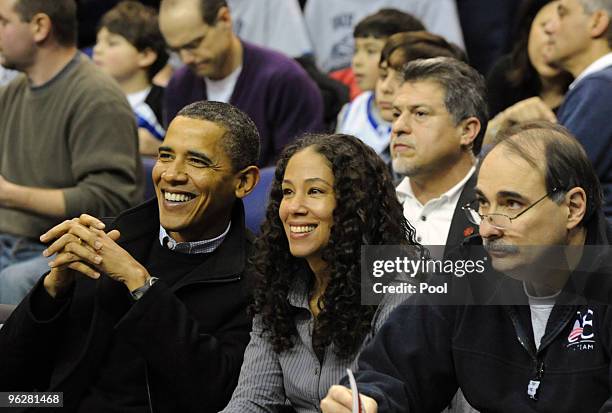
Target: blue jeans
(21, 265)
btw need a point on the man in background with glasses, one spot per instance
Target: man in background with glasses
(539, 207)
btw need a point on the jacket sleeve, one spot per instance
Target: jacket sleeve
(408, 367)
(260, 387)
(591, 127)
(29, 339)
(199, 369)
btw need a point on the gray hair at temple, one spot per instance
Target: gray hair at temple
(464, 89)
(241, 142)
(566, 165)
(591, 6)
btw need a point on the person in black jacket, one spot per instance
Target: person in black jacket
(151, 315)
(547, 348)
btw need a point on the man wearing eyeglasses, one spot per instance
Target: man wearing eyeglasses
(544, 343)
(268, 86)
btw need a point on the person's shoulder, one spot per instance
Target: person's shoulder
(270, 63)
(88, 82)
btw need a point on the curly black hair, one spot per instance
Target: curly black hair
(367, 212)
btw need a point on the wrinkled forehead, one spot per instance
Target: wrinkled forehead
(503, 170)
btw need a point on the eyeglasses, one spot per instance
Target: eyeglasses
(497, 220)
(190, 46)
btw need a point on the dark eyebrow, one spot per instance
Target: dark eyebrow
(202, 156)
(309, 180)
(189, 44)
(164, 149)
(511, 194)
(501, 194)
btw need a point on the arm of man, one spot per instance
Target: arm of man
(591, 126)
(260, 387)
(49, 202)
(408, 367)
(198, 368)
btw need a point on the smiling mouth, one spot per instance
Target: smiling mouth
(178, 197)
(301, 229)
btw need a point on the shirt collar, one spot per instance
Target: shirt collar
(599, 64)
(195, 247)
(404, 189)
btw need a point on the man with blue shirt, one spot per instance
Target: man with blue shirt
(151, 315)
(581, 43)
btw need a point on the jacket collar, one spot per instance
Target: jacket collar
(142, 222)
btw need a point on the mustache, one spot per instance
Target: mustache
(499, 246)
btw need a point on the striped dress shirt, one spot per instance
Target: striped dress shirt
(293, 379)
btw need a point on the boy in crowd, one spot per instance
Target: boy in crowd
(370, 36)
(131, 49)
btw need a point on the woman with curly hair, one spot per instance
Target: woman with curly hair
(331, 194)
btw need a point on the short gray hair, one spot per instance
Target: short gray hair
(591, 6)
(464, 89)
(241, 142)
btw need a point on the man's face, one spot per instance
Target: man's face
(507, 184)
(424, 136)
(365, 61)
(194, 180)
(17, 44)
(202, 47)
(568, 32)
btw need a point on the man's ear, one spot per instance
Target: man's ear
(576, 202)
(41, 27)
(245, 181)
(468, 129)
(224, 17)
(146, 58)
(599, 24)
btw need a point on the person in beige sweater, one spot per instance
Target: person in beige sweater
(68, 139)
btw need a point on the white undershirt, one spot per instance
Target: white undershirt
(431, 221)
(540, 307)
(221, 90)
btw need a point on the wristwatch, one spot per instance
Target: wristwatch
(139, 292)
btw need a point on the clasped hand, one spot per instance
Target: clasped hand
(82, 246)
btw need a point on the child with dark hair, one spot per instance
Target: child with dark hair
(131, 49)
(370, 36)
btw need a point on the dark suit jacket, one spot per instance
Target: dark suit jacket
(192, 335)
(460, 227)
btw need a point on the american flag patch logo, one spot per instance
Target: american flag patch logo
(576, 332)
(582, 334)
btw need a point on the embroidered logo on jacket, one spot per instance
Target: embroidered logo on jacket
(582, 336)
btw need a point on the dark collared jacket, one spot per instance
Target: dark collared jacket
(192, 336)
(424, 353)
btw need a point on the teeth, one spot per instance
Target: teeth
(168, 196)
(302, 228)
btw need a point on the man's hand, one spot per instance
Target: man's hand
(526, 110)
(339, 399)
(83, 246)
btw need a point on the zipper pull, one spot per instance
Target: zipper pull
(534, 385)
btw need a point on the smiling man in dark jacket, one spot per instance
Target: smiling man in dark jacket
(545, 344)
(151, 315)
